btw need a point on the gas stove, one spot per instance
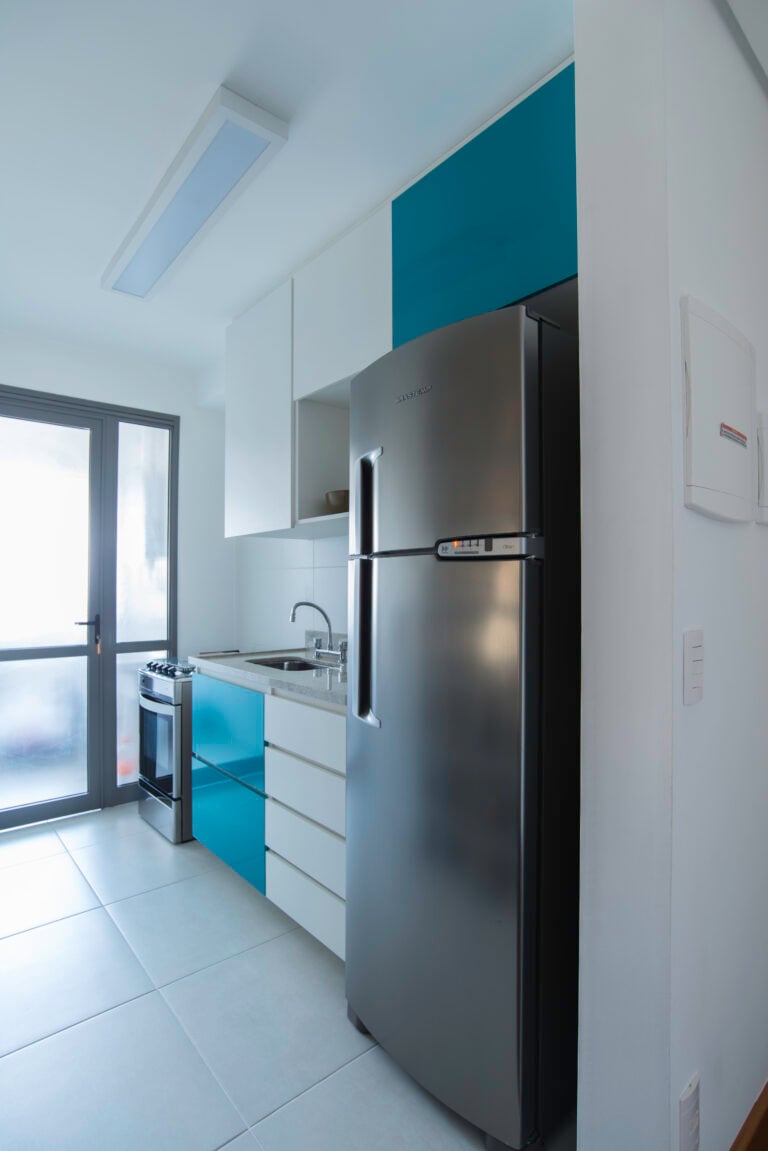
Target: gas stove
(165, 679)
(169, 668)
(165, 747)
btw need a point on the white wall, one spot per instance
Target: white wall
(627, 577)
(672, 154)
(273, 574)
(717, 144)
(206, 585)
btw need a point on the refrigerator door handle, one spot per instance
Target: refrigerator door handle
(362, 502)
(361, 662)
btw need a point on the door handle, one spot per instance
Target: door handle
(95, 623)
(361, 669)
(362, 540)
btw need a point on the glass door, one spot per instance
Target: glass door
(88, 497)
(50, 613)
(143, 577)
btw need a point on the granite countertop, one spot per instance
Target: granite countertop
(326, 685)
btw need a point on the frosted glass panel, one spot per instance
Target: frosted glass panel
(44, 532)
(142, 532)
(43, 730)
(128, 713)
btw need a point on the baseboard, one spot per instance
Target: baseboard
(754, 1134)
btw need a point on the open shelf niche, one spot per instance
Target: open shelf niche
(322, 459)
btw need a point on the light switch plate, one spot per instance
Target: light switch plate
(693, 666)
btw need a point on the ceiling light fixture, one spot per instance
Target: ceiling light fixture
(233, 139)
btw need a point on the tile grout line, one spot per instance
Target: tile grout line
(204, 1061)
(79, 1022)
(85, 878)
(226, 959)
(234, 1139)
(145, 891)
(104, 839)
(50, 922)
(188, 974)
(289, 1102)
(36, 859)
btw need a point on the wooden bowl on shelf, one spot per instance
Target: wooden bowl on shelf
(338, 501)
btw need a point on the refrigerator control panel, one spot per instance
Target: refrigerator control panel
(489, 547)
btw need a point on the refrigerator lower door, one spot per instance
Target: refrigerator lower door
(441, 798)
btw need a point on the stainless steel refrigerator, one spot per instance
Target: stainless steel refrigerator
(454, 963)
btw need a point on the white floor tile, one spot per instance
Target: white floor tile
(82, 830)
(27, 844)
(117, 868)
(127, 1079)
(271, 1022)
(180, 929)
(62, 973)
(369, 1105)
(39, 892)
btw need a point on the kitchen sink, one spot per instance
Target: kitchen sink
(287, 663)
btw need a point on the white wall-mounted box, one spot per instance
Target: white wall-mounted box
(719, 414)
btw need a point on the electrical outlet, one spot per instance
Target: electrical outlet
(689, 1115)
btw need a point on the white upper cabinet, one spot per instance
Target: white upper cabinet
(259, 418)
(343, 306)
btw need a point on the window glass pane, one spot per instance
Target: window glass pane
(43, 736)
(128, 713)
(44, 533)
(142, 532)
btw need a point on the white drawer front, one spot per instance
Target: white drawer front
(307, 731)
(313, 791)
(318, 911)
(318, 852)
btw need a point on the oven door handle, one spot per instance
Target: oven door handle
(166, 709)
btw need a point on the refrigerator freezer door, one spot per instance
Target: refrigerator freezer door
(441, 801)
(444, 435)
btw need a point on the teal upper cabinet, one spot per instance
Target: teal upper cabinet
(493, 223)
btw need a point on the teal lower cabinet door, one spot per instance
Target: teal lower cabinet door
(228, 818)
(228, 728)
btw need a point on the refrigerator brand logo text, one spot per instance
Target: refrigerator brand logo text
(412, 395)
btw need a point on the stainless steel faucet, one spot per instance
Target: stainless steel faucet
(340, 653)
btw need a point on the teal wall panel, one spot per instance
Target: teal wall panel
(493, 223)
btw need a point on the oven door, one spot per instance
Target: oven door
(160, 746)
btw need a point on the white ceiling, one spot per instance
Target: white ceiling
(98, 96)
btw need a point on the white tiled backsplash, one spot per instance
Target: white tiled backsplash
(273, 574)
